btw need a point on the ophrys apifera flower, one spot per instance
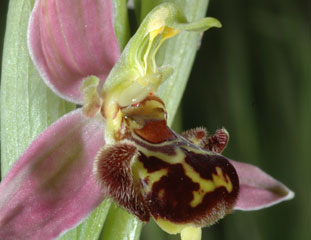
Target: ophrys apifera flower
(181, 181)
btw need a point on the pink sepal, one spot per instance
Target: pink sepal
(258, 189)
(51, 188)
(70, 40)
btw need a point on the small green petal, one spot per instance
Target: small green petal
(137, 63)
(199, 26)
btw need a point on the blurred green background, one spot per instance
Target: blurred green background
(253, 77)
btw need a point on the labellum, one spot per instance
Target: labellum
(175, 179)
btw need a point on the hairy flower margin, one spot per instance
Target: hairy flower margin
(118, 145)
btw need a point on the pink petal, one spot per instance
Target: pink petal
(51, 188)
(70, 40)
(257, 189)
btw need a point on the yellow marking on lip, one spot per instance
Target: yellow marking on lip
(222, 180)
(206, 186)
(219, 179)
(142, 173)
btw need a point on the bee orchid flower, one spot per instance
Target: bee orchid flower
(118, 145)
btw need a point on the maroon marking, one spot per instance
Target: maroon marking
(155, 131)
(205, 164)
(176, 190)
(218, 142)
(153, 164)
(171, 196)
(115, 176)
